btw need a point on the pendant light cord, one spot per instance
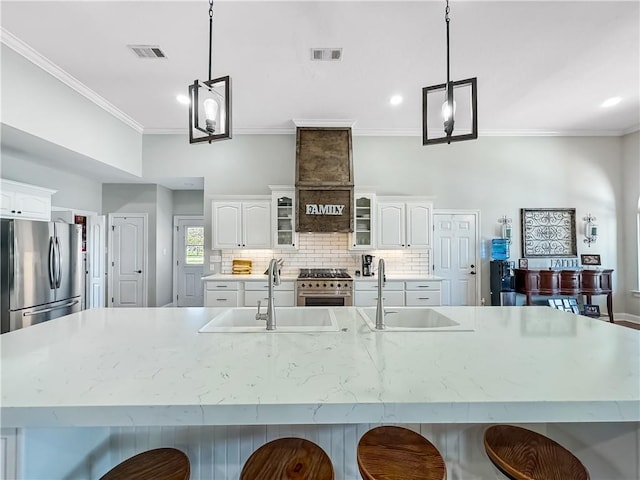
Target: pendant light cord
(447, 20)
(211, 36)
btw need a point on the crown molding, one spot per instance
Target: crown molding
(52, 69)
(324, 122)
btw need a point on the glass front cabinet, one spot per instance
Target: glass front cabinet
(284, 221)
(362, 237)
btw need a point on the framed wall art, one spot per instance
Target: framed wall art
(590, 259)
(548, 232)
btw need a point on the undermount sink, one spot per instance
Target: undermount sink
(288, 320)
(412, 319)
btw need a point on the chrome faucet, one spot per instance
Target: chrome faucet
(274, 279)
(380, 303)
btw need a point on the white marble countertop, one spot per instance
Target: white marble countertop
(400, 277)
(150, 366)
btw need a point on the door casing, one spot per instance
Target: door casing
(177, 219)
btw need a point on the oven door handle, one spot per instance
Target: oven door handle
(341, 294)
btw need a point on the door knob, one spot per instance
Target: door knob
(138, 271)
(472, 273)
(473, 266)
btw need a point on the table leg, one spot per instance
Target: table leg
(610, 306)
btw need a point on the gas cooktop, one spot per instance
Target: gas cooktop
(323, 273)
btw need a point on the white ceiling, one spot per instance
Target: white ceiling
(543, 67)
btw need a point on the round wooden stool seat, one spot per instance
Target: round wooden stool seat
(288, 459)
(525, 455)
(158, 464)
(396, 453)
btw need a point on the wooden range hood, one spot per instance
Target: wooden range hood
(324, 179)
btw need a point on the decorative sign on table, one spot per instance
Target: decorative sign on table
(548, 232)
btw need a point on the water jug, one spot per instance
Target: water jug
(500, 249)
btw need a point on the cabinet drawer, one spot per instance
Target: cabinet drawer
(424, 285)
(264, 286)
(373, 286)
(223, 286)
(417, 299)
(281, 299)
(370, 299)
(221, 299)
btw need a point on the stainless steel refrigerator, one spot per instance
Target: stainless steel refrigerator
(40, 272)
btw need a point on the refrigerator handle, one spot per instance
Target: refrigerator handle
(51, 309)
(51, 264)
(59, 265)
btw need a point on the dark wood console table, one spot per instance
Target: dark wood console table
(565, 282)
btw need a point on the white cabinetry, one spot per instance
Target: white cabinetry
(425, 293)
(242, 224)
(366, 294)
(404, 224)
(362, 237)
(222, 294)
(284, 218)
(19, 200)
(283, 294)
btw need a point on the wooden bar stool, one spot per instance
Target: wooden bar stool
(525, 455)
(158, 464)
(288, 459)
(396, 453)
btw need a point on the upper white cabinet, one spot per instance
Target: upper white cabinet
(19, 200)
(404, 224)
(283, 208)
(242, 224)
(362, 237)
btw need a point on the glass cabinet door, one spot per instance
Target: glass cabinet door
(363, 222)
(285, 222)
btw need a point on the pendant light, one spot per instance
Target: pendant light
(210, 103)
(450, 107)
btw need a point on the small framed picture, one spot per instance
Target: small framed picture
(590, 259)
(523, 263)
(575, 309)
(591, 310)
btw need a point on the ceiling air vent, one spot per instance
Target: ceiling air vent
(147, 51)
(326, 54)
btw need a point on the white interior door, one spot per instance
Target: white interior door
(96, 251)
(455, 257)
(128, 260)
(189, 261)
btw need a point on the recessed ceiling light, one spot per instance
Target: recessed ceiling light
(183, 99)
(610, 102)
(395, 100)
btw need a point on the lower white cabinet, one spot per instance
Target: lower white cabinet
(222, 294)
(366, 294)
(422, 294)
(283, 294)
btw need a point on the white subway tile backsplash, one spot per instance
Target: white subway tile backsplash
(329, 250)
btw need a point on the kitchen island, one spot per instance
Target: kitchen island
(150, 368)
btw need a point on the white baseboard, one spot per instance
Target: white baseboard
(168, 305)
(627, 317)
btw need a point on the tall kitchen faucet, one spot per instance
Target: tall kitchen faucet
(274, 279)
(380, 304)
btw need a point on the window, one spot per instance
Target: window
(194, 245)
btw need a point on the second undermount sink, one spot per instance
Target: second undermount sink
(288, 320)
(411, 319)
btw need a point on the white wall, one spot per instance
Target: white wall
(188, 202)
(164, 247)
(629, 223)
(497, 175)
(35, 102)
(73, 191)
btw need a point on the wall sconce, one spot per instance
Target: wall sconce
(590, 229)
(507, 230)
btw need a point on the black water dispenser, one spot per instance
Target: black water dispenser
(502, 282)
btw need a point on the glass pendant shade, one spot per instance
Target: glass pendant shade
(446, 120)
(210, 110)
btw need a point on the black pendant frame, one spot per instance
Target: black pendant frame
(473, 83)
(197, 132)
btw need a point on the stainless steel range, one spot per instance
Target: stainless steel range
(324, 287)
